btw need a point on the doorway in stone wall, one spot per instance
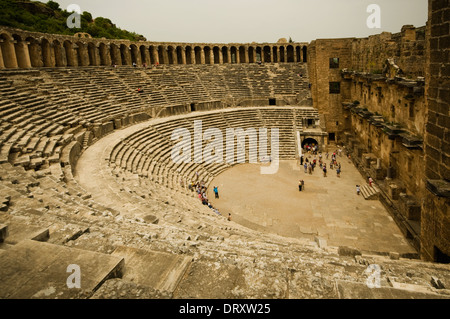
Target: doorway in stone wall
(440, 257)
(272, 102)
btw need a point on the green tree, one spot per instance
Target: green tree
(53, 5)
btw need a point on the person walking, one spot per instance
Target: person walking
(299, 185)
(216, 191)
(358, 189)
(325, 171)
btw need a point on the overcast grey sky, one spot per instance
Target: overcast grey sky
(245, 21)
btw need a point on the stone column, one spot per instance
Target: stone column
(155, 54)
(238, 56)
(127, 56)
(229, 55)
(174, 56)
(97, 55)
(23, 55)
(202, 55)
(105, 56)
(83, 59)
(9, 54)
(220, 56)
(2, 65)
(285, 54)
(166, 55)
(211, 56)
(254, 55)
(146, 56)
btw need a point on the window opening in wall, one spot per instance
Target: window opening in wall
(335, 87)
(393, 111)
(192, 107)
(272, 101)
(411, 109)
(334, 63)
(332, 136)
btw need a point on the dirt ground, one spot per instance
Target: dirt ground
(328, 206)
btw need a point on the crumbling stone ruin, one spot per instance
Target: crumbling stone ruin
(86, 177)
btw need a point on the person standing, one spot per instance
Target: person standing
(303, 184)
(216, 191)
(358, 190)
(325, 171)
(370, 181)
(299, 185)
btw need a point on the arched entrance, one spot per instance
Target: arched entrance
(310, 141)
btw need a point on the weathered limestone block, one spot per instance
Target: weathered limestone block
(348, 251)
(70, 153)
(394, 192)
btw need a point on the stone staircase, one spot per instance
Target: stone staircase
(370, 192)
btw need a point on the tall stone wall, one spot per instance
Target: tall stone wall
(408, 49)
(322, 74)
(393, 104)
(435, 216)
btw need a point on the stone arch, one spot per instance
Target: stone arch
(60, 58)
(298, 54)
(188, 54)
(282, 54)
(153, 55)
(70, 53)
(251, 55)
(145, 54)
(198, 55)
(267, 54)
(161, 54)
(225, 55)
(207, 51)
(92, 54)
(179, 54)
(170, 54)
(34, 51)
(82, 55)
(125, 54)
(103, 54)
(311, 141)
(290, 54)
(216, 53)
(22, 54)
(275, 54)
(233, 54)
(242, 54)
(135, 55)
(7, 50)
(115, 54)
(305, 54)
(46, 53)
(258, 54)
